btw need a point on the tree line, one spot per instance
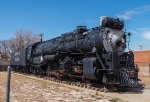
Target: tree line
(22, 38)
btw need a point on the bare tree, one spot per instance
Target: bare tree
(21, 40)
(5, 51)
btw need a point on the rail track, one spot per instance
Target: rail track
(87, 85)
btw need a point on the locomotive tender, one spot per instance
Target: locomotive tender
(89, 54)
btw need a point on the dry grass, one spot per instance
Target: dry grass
(25, 89)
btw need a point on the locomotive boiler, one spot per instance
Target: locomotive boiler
(96, 54)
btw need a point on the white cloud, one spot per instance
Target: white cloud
(141, 37)
(136, 11)
(146, 35)
(145, 32)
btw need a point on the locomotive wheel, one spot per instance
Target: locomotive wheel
(83, 78)
(58, 75)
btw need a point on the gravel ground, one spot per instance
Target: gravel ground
(32, 89)
(140, 95)
(28, 89)
(144, 71)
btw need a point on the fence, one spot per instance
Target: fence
(8, 83)
(144, 68)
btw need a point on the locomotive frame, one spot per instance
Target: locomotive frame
(89, 54)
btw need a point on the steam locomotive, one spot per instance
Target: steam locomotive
(96, 54)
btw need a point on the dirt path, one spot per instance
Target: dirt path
(140, 95)
(32, 89)
(135, 97)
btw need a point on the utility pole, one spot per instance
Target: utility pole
(140, 47)
(41, 35)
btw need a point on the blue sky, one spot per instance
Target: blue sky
(54, 17)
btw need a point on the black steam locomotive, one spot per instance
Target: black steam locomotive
(89, 54)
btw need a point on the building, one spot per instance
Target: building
(142, 58)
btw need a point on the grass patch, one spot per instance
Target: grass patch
(114, 100)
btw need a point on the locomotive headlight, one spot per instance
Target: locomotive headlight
(123, 41)
(116, 40)
(120, 42)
